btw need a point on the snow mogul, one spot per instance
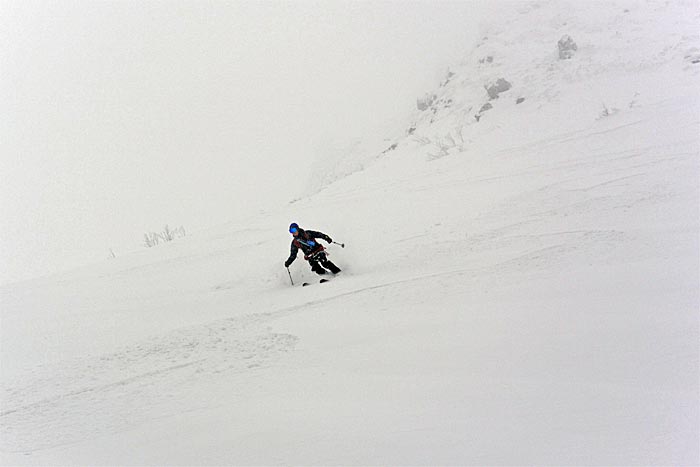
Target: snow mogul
(314, 252)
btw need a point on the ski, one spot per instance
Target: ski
(320, 282)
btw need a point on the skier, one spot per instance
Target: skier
(313, 251)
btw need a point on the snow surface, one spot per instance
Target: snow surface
(521, 289)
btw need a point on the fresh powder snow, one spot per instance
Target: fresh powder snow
(520, 284)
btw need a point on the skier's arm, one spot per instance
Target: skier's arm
(314, 234)
(292, 255)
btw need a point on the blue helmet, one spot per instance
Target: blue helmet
(293, 227)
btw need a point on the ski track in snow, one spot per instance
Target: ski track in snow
(55, 407)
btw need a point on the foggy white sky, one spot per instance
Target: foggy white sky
(121, 116)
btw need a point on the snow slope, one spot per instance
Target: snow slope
(521, 289)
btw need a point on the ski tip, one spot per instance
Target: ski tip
(320, 282)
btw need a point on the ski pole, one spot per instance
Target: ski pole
(342, 245)
(290, 276)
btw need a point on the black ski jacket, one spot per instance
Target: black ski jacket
(306, 240)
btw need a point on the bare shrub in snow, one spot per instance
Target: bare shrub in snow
(608, 111)
(445, 144)
(422, 140)
(167, 235)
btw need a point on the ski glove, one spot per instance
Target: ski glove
(330, 240)
(287, 263)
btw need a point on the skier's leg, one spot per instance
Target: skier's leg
(315, 267)
(329, 265)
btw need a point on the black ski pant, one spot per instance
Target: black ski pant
(320, 261)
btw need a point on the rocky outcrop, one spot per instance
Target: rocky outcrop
(693, 56)
(425, 102)
(567, 47)
(498, 87)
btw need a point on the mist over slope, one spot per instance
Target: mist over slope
(520, 285)
(628, 54)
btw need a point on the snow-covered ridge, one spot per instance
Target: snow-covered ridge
(525, 279)
(615, 42)
(518, 45)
